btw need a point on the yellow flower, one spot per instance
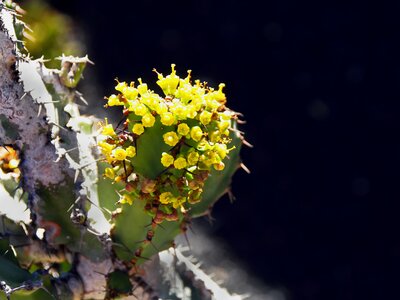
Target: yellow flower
(138, 129)
(221, 149)
(130, 151)
(108, 130)
(140, 109)
(119, 154)
(109, 172)
(166, 198)
(113, 100)
(205, 117)
(180, 163)
(183, 129)
(148, 120)
(120, 86)
(171, 138)
(166, 159)
(106, 148)
(196, 133)
(167, 119)
(169, 83)
(130, 93)
(177, 202)
(219, 166)
(193, 158)
(223, 125)
(142, 87)
(126, 199)
(179, 110)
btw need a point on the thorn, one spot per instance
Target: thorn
(23, 96)
(246, 143)
(246, 169)
(49, 102)
(59, 126)
(75, 202)
(76, 175)
(231, 196)
(39, 110)
(81, 97)
(89, 163)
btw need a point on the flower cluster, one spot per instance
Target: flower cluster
(192, 124)
(9, 161)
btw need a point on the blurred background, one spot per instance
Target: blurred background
(317, 218)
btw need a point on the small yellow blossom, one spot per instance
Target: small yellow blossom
(178, 201)
(221, 150)
(223, 125)
(13, 163)
(110, 173)
(130, 151)
(106, 148)
(142, 87)
(140, 109)
(219, 166)
(119, 154)
(179, 110)
(169, 83)
(108, 130)
(113, 100)
(148, 120)
(183, 129)
(126, 198)
(171, 138)
(180, 163)
(196, 133)
(205, 117)
(166, 198)
(138, 129)
(130, 93)
(193, 158)
(166, 159)
(167, 119)
(120, 86)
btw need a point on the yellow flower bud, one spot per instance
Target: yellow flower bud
(138, 129)
(196, 133)
(171, 138)
(166, 159)
(120, 86)
(167, 119)
(180, 163)
(142, 87)
(130, 93)
(108, 130)
(166, 198)
(130, 151)
(109, 172)
(140, 109)
(148, 120)
(113, 100)
(205, 117)
(183, 129)
(126, 199)
(219, 166)
(119, 154)
(193, 158)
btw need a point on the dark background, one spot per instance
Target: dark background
(318, 85)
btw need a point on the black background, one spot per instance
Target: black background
(318, 86)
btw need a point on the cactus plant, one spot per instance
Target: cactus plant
(105, 202)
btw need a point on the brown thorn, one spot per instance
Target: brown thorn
(246, 143)
(246, 169)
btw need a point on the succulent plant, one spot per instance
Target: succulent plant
(105, 202)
